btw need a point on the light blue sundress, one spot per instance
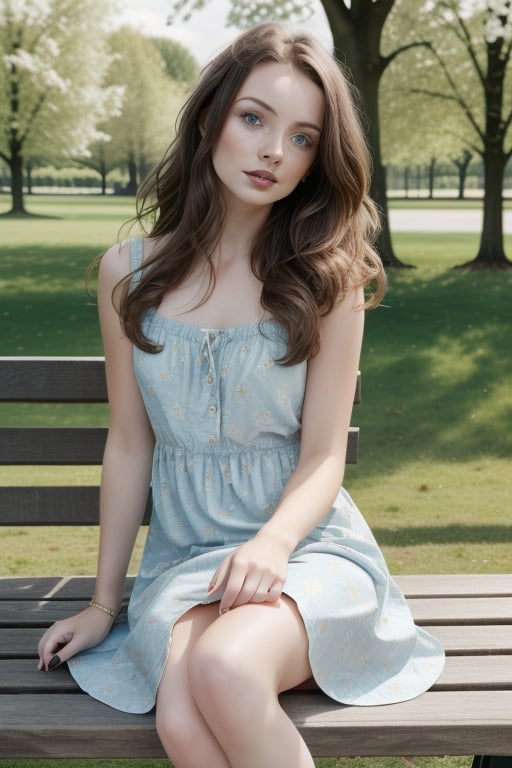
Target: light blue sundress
(227, 421)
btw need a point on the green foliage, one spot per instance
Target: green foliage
(180, 64)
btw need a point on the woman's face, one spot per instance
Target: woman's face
(270, 137)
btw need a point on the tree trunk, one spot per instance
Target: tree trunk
(462, 166)
(356, 33)
(406, 182)
(131, 187)
(431, 178)
(16, 168)
(491, 253)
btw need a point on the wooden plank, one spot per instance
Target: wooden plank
(76, 587)
(456, 584)
(472, 673)
(352, 454)
(63, 379)
(463, 610)
(72, 446)
(52, 445)
(55, 587)
(19, 643)
(477, 639)
(27, 587)
(53, 379)
(469, 611)
(468, 673)
(447, 723)
(450, 723)
(49, 505)
(22, 676)
(37, 614)
(457, 641)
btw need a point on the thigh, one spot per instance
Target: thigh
(185, 633)
(267, 640)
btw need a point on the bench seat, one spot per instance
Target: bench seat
(468, 711)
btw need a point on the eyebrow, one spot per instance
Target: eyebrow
(273, 111)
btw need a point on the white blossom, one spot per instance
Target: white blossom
(54, 56)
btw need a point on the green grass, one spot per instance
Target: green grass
(446, 203)
(435, 464)
(344, 762)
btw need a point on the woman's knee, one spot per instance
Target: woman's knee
(174, 728)
(222, 674)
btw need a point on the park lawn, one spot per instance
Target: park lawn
(343, 762)
(435, 456)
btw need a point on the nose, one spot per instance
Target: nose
(272, 152)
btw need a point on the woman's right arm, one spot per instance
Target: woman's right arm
(125, 476)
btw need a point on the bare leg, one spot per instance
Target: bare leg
(185, 736)
(237, 667)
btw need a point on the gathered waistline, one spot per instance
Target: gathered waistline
(287, 446)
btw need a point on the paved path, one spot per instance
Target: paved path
(441, 220)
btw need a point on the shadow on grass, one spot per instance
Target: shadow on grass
(443, 534)
(436, 370)
(27, 215)
(45, 307)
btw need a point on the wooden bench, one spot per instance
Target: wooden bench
(44, 715)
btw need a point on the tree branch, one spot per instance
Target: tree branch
(458, 96)
(465, 38)
(386, 60)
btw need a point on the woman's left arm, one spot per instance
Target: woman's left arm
(329, 398)
(257, 570)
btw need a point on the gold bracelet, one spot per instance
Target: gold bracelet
(103, 608)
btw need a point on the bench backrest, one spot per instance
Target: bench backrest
(61, 380)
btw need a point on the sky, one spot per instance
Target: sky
(205, 34)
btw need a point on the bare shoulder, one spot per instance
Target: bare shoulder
(345, 317)
(115, 262)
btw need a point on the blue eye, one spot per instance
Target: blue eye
(301, 140)
(251, 118)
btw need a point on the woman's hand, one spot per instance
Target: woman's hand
(67, 637)
(254, 573)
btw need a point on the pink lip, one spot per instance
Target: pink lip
(261, 178)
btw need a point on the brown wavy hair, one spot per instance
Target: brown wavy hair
(316, 243)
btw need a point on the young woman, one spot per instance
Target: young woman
(232, 337)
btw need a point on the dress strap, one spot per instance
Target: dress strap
(136, 255)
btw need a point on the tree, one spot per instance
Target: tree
(357, 29)
(485, 35)
(138, 135)
(52, 63)
(417, 130)
(462, 162)
(180, 65)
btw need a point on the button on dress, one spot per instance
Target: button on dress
(227, 422)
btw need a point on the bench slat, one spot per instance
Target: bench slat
(74, 725)
(460, 673)
(457, 641)
(28, 446)
(471, 610)
(63, 380)
(446, 585)
(463, 610)
(53, 379)
(455, 584)
(49, 505)
(72, 446)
